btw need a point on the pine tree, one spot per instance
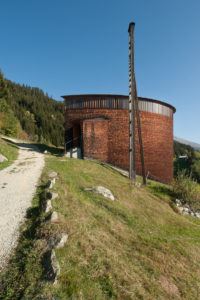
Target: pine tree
(3, 87)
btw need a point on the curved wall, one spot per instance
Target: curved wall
(105, 132)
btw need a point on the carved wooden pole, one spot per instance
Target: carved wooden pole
(132, 92)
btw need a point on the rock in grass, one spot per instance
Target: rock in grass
(186, 211)
(51, 183)
(55, 266)
(51, 195)
(53, 174)
(54, 217)
(58, 240)
(54, 196)
(3, 158)
(48, 206)
(63, 240)
(102, 191)
(178, 202)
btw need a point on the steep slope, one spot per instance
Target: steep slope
(40, 116)
(136, 247)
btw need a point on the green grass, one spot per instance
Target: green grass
(10, 151)
(136, 247)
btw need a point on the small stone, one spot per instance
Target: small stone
(53, 174)
(45, 152)
(54, 217)
(63, 240)
(3, 158)
(186, 211)
(55, 266)
(53, 241)
(102, 191)
(197, 215)
(178, 202)
(54, 196)
(48, 206)
(51, 183)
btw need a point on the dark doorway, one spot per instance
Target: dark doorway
(73, 137)
(77, 135)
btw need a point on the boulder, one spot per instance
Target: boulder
(3, 158)
(53, 174)
(102, 191)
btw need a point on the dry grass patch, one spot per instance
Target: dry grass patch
(136, 247)
(121, 249)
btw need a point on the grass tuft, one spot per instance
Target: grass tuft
(10, 151)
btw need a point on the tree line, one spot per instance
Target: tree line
(30, 112)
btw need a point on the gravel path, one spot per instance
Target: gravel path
(18, 184)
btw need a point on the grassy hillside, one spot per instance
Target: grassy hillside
(9, 151)
(136, 247)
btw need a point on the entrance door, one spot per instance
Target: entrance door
(77, 136)
(69, 138)
(73, 138)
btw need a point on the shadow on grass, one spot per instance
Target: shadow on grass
(37, 147)
(162, 190)
(50, 149)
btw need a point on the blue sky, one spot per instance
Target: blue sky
(81, 46)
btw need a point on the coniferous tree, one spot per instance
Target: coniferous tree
(3, 87)
(40, 116)
(9, 125)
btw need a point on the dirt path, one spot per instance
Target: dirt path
(18, 184)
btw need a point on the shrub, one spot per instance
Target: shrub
(187, 190)
(196, 170)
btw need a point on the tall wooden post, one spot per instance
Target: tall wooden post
(132, 92)
(134, 113)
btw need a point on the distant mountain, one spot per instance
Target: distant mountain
(196, 146)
